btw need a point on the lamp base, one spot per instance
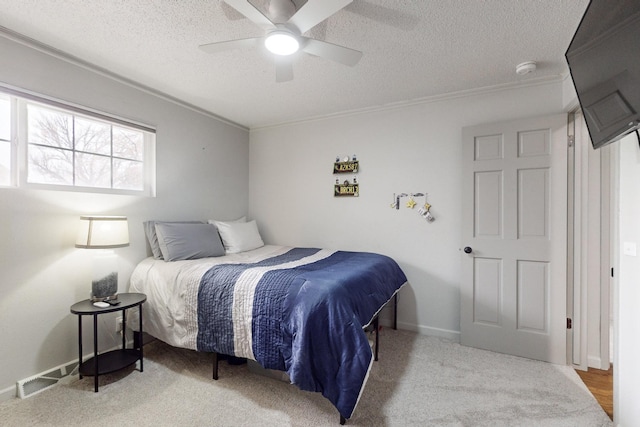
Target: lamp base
(107, 298)
(105, 288)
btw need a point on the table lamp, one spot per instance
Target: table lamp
(104, 233)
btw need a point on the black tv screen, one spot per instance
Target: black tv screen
(604, 61)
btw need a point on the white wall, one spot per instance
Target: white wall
(627, 296)
(202, 172)
(414, 148)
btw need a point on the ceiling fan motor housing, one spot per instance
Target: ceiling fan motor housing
(281, 10)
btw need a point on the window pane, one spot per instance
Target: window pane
(71, 147)
(50, 166)
(128, 175)
(5, 163)
(93, 171)
(128, 143)
(5, 119)
(49, 127)
(93, 136)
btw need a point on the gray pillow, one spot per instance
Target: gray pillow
(188, 241)
(150, 231)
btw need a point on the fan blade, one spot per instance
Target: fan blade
(384, 15)
(284, 69)
(231, 13)
(314, 12)
(333, 52)
(231, 44)
(250, 11)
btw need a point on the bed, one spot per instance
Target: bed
(298, 310)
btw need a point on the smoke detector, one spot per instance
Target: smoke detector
(526, 68)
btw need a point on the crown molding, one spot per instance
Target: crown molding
(420, 101)
(57, 53)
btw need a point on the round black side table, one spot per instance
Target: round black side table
(113, 360)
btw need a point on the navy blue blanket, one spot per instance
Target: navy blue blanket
(302, 312)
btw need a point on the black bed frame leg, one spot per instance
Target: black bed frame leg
(342, 420)
(376, 325)
(215, 366)
(395, 311)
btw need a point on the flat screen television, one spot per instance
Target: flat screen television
(604, 61)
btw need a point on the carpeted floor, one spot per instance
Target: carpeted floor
(419, 381)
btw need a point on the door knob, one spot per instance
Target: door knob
(467, 250)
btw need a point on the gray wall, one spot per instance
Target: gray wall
(414, 148)
(202, 172)
(206, 169)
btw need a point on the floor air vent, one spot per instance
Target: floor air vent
(37, 383)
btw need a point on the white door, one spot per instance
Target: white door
(513, 290)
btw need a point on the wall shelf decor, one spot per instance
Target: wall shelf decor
(424, 211)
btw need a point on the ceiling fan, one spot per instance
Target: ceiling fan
(283, 37)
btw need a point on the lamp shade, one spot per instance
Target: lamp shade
(102, 232)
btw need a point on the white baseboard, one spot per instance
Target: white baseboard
(8, 394)
(431, 331)
(593, 362)
(64, 370)
(596, 363)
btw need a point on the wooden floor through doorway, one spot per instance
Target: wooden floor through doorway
(600, 383)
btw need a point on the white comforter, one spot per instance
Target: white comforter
(171, 311)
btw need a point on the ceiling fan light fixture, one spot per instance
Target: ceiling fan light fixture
(282, 43)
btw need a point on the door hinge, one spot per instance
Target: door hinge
(571, 140)
(568, 323)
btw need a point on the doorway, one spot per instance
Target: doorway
(589, 249)
(590, 259)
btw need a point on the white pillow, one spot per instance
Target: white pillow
(215, 221)
(239, 236)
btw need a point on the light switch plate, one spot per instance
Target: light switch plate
(629, 248)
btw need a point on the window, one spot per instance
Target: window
(68, 148)
(5, 140)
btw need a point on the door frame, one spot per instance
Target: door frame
(589, 248)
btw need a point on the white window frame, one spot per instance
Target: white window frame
(19, 152)
(13, 142)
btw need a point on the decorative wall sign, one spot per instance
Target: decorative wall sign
(345, 165)
(346, 189)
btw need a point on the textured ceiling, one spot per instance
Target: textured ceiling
(412, 50)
